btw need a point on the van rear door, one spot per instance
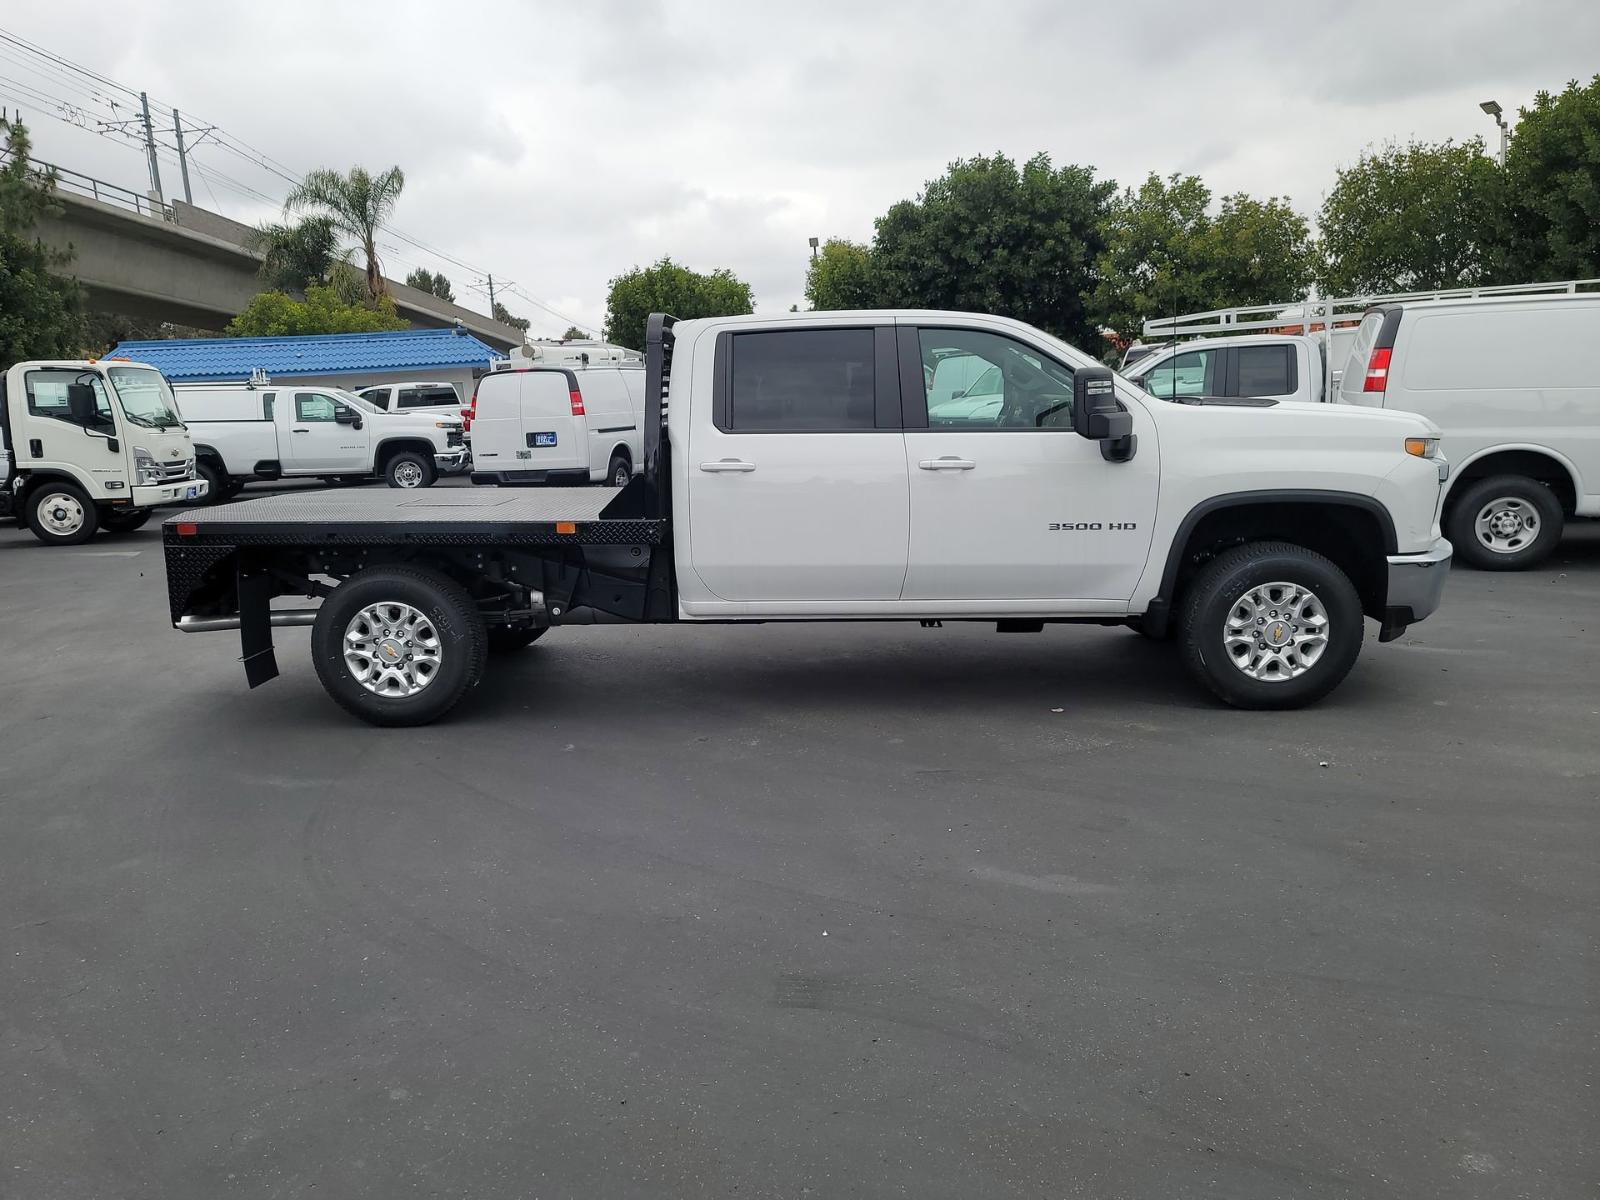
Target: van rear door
(555, 432)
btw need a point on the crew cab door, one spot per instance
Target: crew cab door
(317, 440)
(797, 474)
(1008, 503)
(47, 431)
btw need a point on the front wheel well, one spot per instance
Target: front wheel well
(1351, 535)
(1530, 464)
(387, 450)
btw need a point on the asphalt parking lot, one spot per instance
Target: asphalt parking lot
(797, 911)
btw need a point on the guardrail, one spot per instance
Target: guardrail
(80, 184)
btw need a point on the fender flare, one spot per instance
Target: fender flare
(1159, 611)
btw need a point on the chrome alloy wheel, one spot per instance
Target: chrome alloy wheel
(1507, 524)
(61, 513)
(408, 474)
(392, 649)
(1276, 631)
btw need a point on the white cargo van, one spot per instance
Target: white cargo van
(539, 425)
(1514, 387)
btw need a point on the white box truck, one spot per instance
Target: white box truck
(87, 445)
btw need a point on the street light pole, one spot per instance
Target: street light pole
(1492, 107)
(813, 243)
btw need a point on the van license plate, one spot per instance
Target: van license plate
(544, 439)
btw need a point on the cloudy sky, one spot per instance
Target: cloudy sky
(555, 145)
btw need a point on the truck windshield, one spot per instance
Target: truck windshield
(145, 397)
(356, 401)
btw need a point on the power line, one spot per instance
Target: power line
(63, 73)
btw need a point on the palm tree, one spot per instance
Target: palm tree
(357, 204)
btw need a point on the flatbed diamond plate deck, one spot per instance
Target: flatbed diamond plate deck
(390, 516)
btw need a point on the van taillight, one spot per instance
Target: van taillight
(1377, 371)
(577, 402)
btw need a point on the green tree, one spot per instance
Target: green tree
(989, 237)
(356, 204)
(275, 314)
(40, 310)
(842, 276)
(1166, 251)
(1148, 265)
(1412, 218)
(574, 334)
(295, 254)
(670, 288)
(503, 314)
(1553, 176)
(434, 283)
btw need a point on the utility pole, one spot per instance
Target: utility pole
(150, 148)
(492, 317)
(183, 159)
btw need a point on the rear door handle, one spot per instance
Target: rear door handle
(300, 431)
(948, 463)
(727, 464)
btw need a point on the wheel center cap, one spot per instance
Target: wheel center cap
(1507, 523)
(390, 651)
(1278, 634)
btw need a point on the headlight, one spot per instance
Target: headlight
(1423, 447)
(145, 468)
(447, 424)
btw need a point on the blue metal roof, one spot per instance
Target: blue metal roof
(208, 359)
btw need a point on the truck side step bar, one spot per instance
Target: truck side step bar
(286, 617)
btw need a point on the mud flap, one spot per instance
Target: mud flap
(255, 626)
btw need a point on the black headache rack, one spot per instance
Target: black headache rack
(529, 557)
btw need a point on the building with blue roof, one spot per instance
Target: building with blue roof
(347, 360)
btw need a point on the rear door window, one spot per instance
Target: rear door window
(437, 396)
(1355, 364)
(799, 381)
(1263, 371)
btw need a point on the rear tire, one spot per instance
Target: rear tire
(504, 640)
(119, 522)
(1505, 523)
(619, 472)
(409, 470)
(1270, 625)
(220, 487)
(61, 515)
(366, 631)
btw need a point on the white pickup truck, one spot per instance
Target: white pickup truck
(279, 431)
(1272, 365)
(90, 445)
(794, 470)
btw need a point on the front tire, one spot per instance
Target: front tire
(409, 470)
(398, 645)
(1505, 523)
(61, 515)
(1270, 625)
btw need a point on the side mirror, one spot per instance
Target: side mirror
(1096, 415)
(347, 416)
(81, 406)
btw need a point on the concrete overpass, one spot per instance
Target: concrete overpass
(178, 262)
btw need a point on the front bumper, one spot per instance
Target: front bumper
(454, 459)
(179, 492)
(1416, 583)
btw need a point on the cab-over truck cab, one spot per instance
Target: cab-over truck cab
(88, 445)
(812, 467)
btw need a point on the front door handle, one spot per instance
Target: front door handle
(300, 431)
(727, 464)
(948, 463)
